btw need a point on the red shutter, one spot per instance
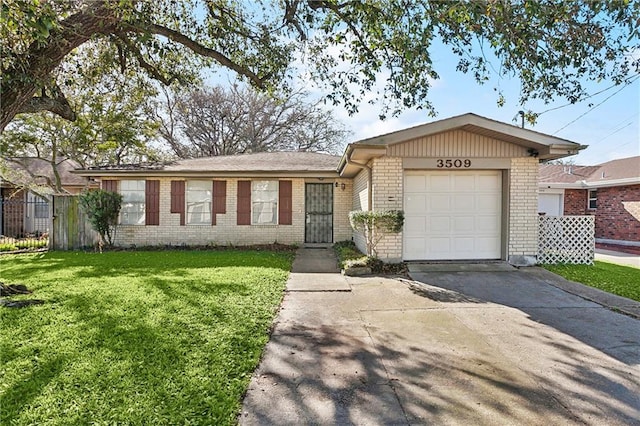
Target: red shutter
(285, 206)
(177, 198)
(152, 202)
(110, 185)
(244, 202)
(219, 199)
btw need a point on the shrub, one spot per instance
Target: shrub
(375, 225)
(102, 209)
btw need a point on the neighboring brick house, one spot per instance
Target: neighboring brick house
(609, 191)
(467, 185)
(26, 212)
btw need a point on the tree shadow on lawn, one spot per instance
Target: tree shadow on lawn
(128, 362)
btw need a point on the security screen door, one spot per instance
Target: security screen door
(319, 213)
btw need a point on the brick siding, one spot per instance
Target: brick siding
(575, 202)
(226, 231)
(618, 213)
(523, 207)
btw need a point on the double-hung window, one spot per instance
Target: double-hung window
(264, 202)
(592, 202)
(132, 211)
(199, 202)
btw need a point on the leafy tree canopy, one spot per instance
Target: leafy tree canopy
(552, 47)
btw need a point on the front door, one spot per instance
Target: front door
(319, 209)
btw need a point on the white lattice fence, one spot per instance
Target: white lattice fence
(566, 239)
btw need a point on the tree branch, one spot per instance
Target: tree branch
(153, 72)
(199, 49)
(57, 104)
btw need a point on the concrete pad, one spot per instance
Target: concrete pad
(316, 282)
(619, 258)
(464, 348)
(460, 267)
(315, 260)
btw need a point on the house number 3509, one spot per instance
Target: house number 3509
(450, 163)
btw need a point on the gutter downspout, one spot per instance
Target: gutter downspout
(369, 180)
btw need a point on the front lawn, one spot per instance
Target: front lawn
(621, 280)
(163, 337)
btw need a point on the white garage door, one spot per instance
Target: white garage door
(550, 204)
(452, 215)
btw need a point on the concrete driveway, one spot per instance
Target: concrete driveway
(501, 347)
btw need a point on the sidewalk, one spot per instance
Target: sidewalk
(619, 258)
(316, 269)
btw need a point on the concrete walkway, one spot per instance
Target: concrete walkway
(619, 258)
(494, 347)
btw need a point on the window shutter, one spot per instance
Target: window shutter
(110, 185)
(152, 202)
(285, 207)
(244, 202)
(177, 198)
(219, 199)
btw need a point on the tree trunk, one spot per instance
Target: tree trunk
(31, 69)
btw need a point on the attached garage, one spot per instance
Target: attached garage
(452, 215)
(468, 187)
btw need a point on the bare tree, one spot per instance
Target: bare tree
(216, 121)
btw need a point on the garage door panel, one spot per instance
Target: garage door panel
(464, 224)
(439, 225)
(487, 224)
(417, 224)
(439, 184)
(488, 202)
(464, 183)
(488, 183)
(461, 201)
(438, 203)
(417, 183)
(460, 218)
(415, 203)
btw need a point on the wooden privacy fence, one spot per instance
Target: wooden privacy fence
(71, 229)
(566, 239)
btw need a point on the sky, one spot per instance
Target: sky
(609, 122)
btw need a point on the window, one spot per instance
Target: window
(199, 202)
(593, 199)
(133, 202)
(264, 202)
(40, 209)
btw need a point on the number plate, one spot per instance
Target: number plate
(453, 163)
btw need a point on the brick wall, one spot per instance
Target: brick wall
(618, 213)
(575, 202)
(226, 231)
(523, 207)
(387, 195)
(341, 208)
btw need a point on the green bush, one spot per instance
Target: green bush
(375, 225)
(102, 209)
(8, 247)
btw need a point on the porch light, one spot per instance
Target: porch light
(341, 185)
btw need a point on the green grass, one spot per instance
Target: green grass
(164, 337)
(621, 280)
